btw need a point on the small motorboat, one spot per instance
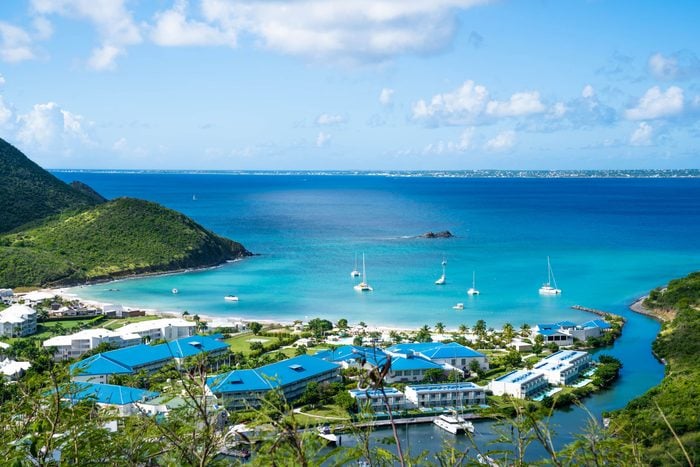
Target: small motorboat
(231, 298)
(175, 291)
(459, 306)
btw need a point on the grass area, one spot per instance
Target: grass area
(49, 329)
(239, 342)
(316, 348)
(113, 324)
(325, 411)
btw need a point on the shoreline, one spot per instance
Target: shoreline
(661, 316)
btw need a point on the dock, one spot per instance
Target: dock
(601, 313)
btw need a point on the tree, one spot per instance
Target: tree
(508, 332)
(423, 334)
(342, 324)
(463, 328)
(434, 375)
(345, 401)
(357, 340)
(320, 326)
(301, 350)
(480, 328)
(255, 327)
(475, 367)
(395, 336)
(525, 330)
(256, 346)
(512, 359)
(439, 327)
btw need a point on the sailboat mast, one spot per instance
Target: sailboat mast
(473, 279)
(364, 273)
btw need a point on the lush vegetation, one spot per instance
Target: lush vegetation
(29, 193)
(121, 237)
(676, 400)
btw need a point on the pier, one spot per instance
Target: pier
(601, 313)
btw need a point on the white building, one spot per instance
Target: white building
(13, 370)
(17, 321)
(75, 345)
(32, 298)
(519, 383)
(6, 295)
(564, 367)
(166, 328)
(446, 395)
(374, 399)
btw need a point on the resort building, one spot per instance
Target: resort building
(519, 383)
(75, 345)
(6, 296)
(12, 370)
(563, 367)
(35, 297)
(450, 356)
(557, 333)
(373, 399)
(240, 389)
(446, 395)
(122, 398)
(410, 369)
(590, 329)
(17, 321)
(149, 358)
(166, 328)
(354, 356)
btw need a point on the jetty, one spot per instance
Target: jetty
(601, 313)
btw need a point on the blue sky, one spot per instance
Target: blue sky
(356, 85)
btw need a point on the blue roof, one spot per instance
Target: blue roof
(563, 355)
(565, 324)
(107, 393)
(134, 357)
(518, 376)
(443, 387)
(267, 377)
(346, 353)
(413, 347)
(596, 323)
(547, 326)
(414, 363)
(99, 365)
(374, 392)
(451, 350)
(238, 380)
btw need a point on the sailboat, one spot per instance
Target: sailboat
(550, 287)
(355, 272)
(363, 286)
(472, 290)
(443, 279)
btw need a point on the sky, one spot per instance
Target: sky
(352, 85)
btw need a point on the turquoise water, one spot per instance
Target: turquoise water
(610, 241)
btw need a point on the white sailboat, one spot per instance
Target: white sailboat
(455, 424)
(355, 272)
(363, 286)
(550, 287)
(443, 278)
(473, 290)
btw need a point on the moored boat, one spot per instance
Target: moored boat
(455, 424)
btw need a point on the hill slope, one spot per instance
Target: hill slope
(678, 395)
(29, 193)
(121, 237)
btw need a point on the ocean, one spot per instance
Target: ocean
(610, 240)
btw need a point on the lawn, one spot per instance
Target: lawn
(113, 324)
(336, 414)
(49, 329)
(240, 342)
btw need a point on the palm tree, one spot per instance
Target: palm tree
(439, 327)
(508, 332)
(480, 328)
(525, 330)
(463, 328)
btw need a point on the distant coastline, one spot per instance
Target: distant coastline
(486, 173)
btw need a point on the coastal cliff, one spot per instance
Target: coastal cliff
(82, 238)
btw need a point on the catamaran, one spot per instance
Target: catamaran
(550, 287)
(363, 286)
(355, 272)
(473, 290)
(443, 279)
(455, 424)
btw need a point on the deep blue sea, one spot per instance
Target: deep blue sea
(610, 240)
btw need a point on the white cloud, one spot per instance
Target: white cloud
(15, 43)
(657, 104)
(519, 104)
(5, 112)
(663, 67)
(588, 92)
(329, 119)
(48, 127)
(347, 32)
(114, 23)
(642, 135)
(42, 28)
(120, 145)
(2, 80)
(558, 110)
(172, 28)
(322, 139)
(501, 142)
(680, 65)
(386, 97)
(465, 104)
(464, 143)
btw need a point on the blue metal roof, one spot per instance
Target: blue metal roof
(99, 365)
(519, 376)
(413, 347)
(444, 387)
(270, 376)
(414, 363)
(107, 393)
(238, 380)
(351, 352)
(550, 332)
(134, 357)
(565, 324)
(596, 323)
(362, 393)
(451, 350)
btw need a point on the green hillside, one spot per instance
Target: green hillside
(678, 395)
(29, 193)
(121, 237)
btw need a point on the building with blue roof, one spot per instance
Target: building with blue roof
(124, 399)
(353, 356)
(564, 333)
(142, 357)
(451, 356)
(445, 395)
(376, 400)
(519, 383)
(239, 389)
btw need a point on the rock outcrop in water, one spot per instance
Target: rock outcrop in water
(442, 234)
